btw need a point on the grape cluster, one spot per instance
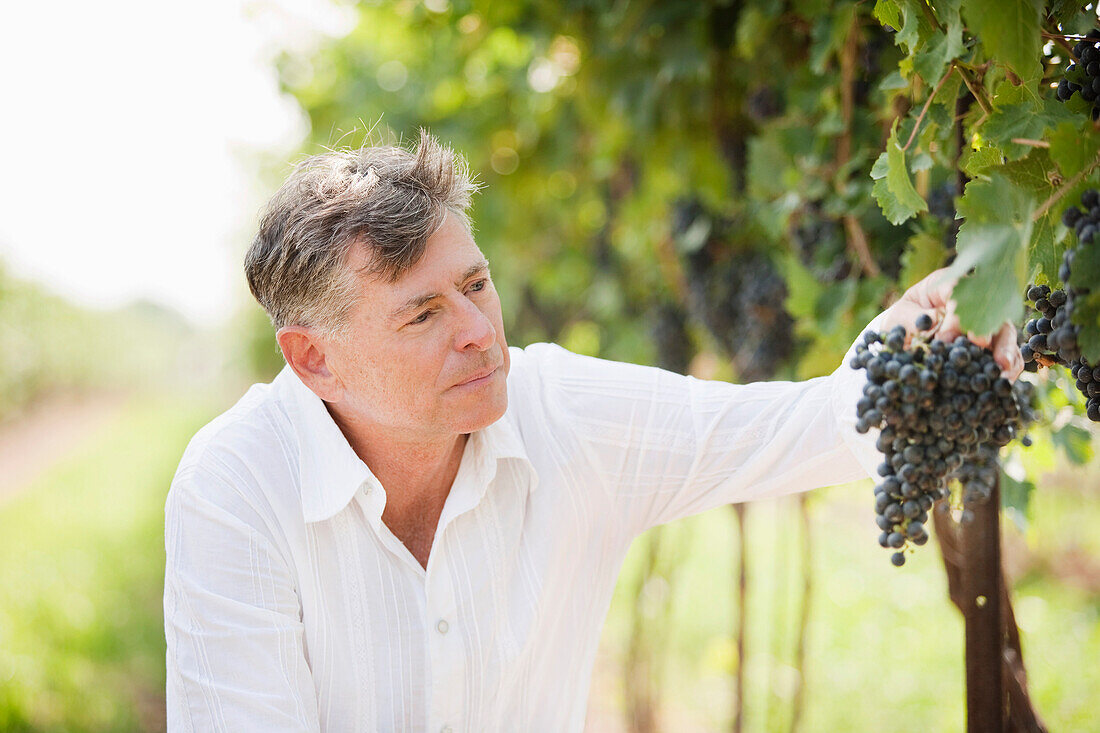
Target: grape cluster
(940, 407)
(1083, 77)
(738, 294)
(1052, 337)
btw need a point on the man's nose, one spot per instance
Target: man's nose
(475, 329)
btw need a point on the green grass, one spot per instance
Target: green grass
(82, 648)
(885, 645)
(81, 635)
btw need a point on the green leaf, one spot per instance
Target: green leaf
(893, 80)
(1086, 311)
(888, 13)
(1031, 173)
(897, 180)
(924, 253)
(1009, 32)
(1044, 256)
(829, 34)
(992, 241)
(803, 289)
(931, 61)
(976, 162)
(1016, 494)
(1074, 441)
(1025, 120)
(1072, 148)
(915, 28)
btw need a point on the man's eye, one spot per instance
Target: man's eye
(421, 318)
(479, 285)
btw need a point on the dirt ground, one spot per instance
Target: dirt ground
(45, 433)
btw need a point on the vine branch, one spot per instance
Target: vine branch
(1065, 188)
(927, 104)
(1062, 41)
(976, 89)
(931, 16)
(1031, 143)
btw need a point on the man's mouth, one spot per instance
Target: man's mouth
(478, 376)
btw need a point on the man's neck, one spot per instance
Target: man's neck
(416, 473)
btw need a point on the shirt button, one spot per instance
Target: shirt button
(446, 728)
(443, 626)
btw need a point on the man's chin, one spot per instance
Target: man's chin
(487, 412)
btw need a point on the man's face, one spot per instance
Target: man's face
(425, 356)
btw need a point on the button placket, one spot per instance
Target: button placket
(445, 651)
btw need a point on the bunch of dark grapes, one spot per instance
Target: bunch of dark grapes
(1052, 336)
(1083, 76)
(738, 294)
(939, 407)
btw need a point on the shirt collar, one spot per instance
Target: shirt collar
(331, 472)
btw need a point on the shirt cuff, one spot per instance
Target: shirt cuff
(847, 389)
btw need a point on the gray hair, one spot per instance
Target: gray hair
(385, 198)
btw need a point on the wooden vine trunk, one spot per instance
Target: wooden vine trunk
(996, 682)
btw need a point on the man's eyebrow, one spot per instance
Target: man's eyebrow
(418, 301)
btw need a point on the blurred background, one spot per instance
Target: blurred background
(670, 183)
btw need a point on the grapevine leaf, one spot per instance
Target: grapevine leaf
(768, 160)
(892, 81)
(1025, 120)
(1072, 148)
(1009, 31)
(1074, 442)
(915, 28)
(931, 61)
(888, 13)
(1086, 311)
(1043, 255)
(1089, 337)
(894, 191)
(1086, 267)
(881, 166)
(976, 162)
(924, 253)
(1064, 10)
(803, 289)
(992, 241)
(828, 34)
(1016, 494)
(892, 209)
(1031, 173)
(898, 176)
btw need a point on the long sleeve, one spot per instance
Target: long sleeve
(235, 654)
(664, 446)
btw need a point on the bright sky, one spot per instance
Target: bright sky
(132, 132)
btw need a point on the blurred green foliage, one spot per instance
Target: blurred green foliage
(652, 170)
(81, 625)
(49, 345)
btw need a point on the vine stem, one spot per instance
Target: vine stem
(978, 96)
(1057, 36)
(1031, 143)
(931, 16)
(1065, 188)
(927, 104)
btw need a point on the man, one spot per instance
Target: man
(415, 527)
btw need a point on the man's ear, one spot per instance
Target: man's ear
(306, 351)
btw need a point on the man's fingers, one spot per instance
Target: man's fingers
(950, 329)
(1006, 352)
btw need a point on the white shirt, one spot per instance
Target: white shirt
(290, 606)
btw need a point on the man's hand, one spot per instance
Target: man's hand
(932, 295)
